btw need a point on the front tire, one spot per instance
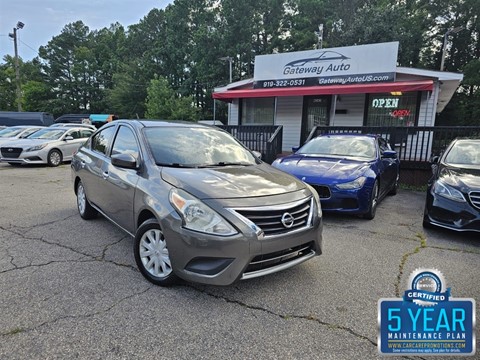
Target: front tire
(86, 211)
(54, 158)
(372, 208)
(394, 189)
(152, 256)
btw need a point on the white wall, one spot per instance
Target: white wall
(289, 114)
(354, 104)
(234, 111)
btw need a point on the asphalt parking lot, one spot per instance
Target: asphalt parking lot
(70, 288)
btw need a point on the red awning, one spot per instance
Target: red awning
(424, 85)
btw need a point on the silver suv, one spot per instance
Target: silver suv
(200, 206)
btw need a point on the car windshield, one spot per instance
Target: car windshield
(345, 146)
(10, 132)
(50, 134)
(195, 147)
(464, 152)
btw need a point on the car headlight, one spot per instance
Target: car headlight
(36, 147)
(317, 207)
(442, 189)
(198, 216)
(352, 185)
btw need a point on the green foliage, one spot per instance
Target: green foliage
(163, 103)
(109, 70)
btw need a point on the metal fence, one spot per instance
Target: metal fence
(415, 145)
(266, 139)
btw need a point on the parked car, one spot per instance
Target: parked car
(453, 194)
(17, 132)
(350, 172)
(51, 145)
(69, 125)
(200, 205)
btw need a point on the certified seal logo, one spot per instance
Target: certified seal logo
(427, 288)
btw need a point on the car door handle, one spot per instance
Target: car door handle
(105, 175)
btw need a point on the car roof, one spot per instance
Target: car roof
(25, 126)
(350, 134)
(156, 123)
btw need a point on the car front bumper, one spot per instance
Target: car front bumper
(31, 157)
(454, 215)
(213, 260)
(347, 201)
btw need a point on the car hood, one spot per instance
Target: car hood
(24, 143)
(232, 181)
(324, 169)
(466, 179)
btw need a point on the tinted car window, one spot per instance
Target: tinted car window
(195, 147)
(85, 133)
(382, 143)
(101, 140)
(125, 142)
(75, 134)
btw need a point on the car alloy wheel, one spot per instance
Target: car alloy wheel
(85, 210)
(152, 255)
(54, 158)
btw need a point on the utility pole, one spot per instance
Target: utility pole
(13, 35)
(444, 50)
(319, 33)
(230, 61)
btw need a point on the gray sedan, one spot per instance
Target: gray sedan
(200, 206)
(51, 145)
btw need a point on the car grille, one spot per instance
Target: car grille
(475, 198)
(277, 220)
(263, 262)
(323, 191)
(11, 153)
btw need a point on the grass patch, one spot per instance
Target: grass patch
(15, 331)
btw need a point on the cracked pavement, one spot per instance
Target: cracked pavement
(69, 289)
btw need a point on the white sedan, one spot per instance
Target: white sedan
(51, 146)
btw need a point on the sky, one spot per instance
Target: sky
(45, 19)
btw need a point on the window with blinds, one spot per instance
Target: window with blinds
(258, 111)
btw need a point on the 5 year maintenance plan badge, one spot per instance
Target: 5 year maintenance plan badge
(427, 321)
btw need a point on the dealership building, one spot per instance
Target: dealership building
(348, 86)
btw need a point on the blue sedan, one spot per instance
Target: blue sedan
(351, 172)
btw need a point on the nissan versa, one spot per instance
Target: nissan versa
(200, 205)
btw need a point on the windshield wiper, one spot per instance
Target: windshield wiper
(176, 165)
(226, 163)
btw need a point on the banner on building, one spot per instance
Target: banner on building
(332, 66)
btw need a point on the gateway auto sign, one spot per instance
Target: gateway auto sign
(333, 66)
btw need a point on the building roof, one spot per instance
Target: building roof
(412, 80)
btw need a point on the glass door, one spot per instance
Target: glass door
(316, 110)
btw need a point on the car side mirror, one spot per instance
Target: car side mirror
(389, 154)
(68, 138)
(434, 159)
(258, 154)
(126, 161)
(295, 148)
